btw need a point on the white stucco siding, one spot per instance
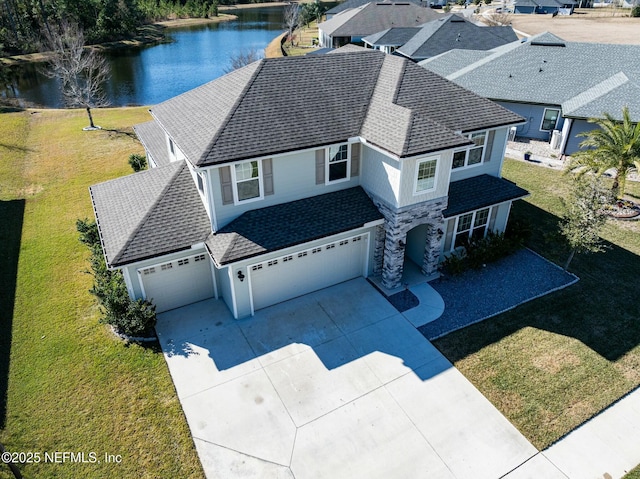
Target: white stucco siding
(380, 175)
(294, 178)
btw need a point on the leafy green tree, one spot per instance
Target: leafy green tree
(584, 215)
(614, 145)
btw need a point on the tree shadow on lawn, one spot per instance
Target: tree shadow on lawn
(601, 310)
(11, 218)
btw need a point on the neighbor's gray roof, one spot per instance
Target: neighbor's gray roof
(286, 104)
(454, 31)
(153, 212)
(277, 227)
(548, 70)
(354, 4)
(375, 17)
(544, 3)
(392, 36)
(154, 140)
(479, 192)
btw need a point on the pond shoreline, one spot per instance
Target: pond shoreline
(148, 34)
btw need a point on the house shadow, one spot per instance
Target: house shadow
(11, 218)
(341, 325)
(601, 310)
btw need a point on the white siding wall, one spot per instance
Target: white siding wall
(294, 178)
(492, 167)
(410, 172)
(380, 175)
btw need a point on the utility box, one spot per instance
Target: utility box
(556, 139)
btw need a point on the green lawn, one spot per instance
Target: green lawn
(66, 384)
(553, 363)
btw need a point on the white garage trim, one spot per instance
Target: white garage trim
(365, 237)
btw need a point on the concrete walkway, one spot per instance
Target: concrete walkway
(335, 384)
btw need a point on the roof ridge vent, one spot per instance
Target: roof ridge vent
(538, 43)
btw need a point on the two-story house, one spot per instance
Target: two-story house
(293, 174)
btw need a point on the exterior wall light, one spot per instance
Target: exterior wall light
(240, 275)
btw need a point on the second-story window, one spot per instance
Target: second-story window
(247, 180)
(472, 155)
(338, 163)
(426, 175)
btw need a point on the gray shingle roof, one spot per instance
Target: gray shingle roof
(153, 139)
(545, 3)
(547, 70)
(375, 17)
(354, 4)
(293, 103)
(391, 36)
(277, 227)
(149, 213)
(479, 192)
(453, 31)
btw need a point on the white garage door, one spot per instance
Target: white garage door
(306, 271)
(177, 283)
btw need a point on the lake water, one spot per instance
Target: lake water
(151, 74)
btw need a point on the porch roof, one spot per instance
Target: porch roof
(281, 226)
(479, 192)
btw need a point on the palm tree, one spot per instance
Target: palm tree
(615, 145)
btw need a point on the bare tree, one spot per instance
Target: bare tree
(497, 19)
(291, 13)
(81, 71)
(242, 59)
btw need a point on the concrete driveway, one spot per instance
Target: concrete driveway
(335, 384)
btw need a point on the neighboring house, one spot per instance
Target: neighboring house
(275, 189)
(349, 4)
(438, 36)
(558, 7)
(351, 25)
(556, 85)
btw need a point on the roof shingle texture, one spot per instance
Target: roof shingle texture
(154, 140)
(288, 104)
(149, 213)
(276, 227)
(547, 70)
(453, 31)
(479, 192)
(348, 4)
(375, 17)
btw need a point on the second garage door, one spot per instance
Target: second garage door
(306, 271)
(178, 283)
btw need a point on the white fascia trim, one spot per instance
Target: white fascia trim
(374, 223)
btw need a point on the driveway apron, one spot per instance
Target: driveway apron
(335, 384)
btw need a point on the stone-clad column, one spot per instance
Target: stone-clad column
(432, 248)
(378, 252)
(394, 245)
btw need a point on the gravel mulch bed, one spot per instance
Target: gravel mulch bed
(479, 294)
